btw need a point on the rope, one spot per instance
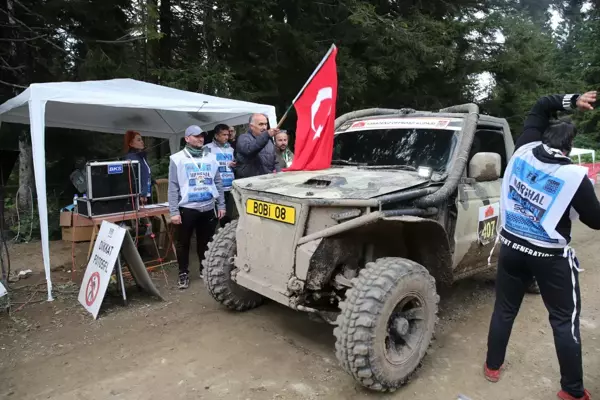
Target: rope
(18, 215)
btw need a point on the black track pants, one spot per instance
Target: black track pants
(204, 224)
(558, 280)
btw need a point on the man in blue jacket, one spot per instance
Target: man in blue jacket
(255, 151)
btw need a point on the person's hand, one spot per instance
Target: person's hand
(176, 220)
(584, 102)
(220, 213)
(272, 132)
(143, 200)
(232, 164)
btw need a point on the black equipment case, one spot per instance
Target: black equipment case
(113, 187)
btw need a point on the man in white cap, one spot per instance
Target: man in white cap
(194, 187)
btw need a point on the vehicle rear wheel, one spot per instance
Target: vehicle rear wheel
(218, 266)
(386, 323)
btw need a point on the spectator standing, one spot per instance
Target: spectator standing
(223, 151)
(282, 151)
(194, 187)
(135, 150)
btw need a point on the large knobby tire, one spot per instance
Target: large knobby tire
(218, 264)
(387, 322)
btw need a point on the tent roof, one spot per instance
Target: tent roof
(117, 105)
(579, 152)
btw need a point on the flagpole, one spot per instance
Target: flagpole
(306, 84)
(281, 121)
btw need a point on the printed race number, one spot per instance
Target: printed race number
(487, 230)
(488, 223)
(272, 211)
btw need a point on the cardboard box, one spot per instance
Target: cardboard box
(80, 220)
(77, 233)
(66, 218)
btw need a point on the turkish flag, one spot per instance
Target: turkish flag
(316, 117)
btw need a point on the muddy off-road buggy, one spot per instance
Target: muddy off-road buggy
(410, 202)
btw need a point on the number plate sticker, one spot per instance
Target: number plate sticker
(488, 223)
(272, 211)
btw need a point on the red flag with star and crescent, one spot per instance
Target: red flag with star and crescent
(315, 107)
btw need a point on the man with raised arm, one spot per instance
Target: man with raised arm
(542, 192)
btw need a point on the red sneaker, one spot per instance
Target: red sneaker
(566, 396)
(492, 375)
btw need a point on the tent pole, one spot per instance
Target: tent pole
(37, 111)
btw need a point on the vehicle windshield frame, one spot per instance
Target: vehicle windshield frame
(446, 167)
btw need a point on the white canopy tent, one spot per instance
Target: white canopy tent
(114, 106)
(577, 152)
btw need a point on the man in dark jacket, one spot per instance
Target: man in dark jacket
(255, 151)
(542, 192)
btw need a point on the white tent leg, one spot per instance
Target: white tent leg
(174, 141)
(37, 111)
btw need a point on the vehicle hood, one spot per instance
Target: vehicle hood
(332, 183)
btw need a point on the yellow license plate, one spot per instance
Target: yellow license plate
(272, 211)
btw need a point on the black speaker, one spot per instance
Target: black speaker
(112, 179)
(115, 205)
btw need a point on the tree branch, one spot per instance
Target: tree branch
(13, 85)
(31, 29)
(22, 40)
(118, 41)
(13, 68)
(28, 10)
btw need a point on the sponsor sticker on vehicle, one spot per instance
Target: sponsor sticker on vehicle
(488, 223)
(403, 123)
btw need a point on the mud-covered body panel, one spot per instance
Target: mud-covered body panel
(266, 248)
(333, 183)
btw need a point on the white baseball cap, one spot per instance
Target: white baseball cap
(194, 130)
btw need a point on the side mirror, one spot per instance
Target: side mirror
(485, 167)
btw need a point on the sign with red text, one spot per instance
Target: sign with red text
(100, 266)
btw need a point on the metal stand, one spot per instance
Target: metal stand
(121, 280)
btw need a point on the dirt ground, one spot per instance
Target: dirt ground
(189, 347)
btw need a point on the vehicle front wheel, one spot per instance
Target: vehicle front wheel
(387, 323)
(218, 266)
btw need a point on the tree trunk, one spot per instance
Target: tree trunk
(151, 49)
(26, 182)
(165, 28)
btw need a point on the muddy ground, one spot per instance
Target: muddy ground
(189, 347)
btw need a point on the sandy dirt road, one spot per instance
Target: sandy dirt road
(189, 347)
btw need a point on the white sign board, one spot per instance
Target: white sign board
(100, 267)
